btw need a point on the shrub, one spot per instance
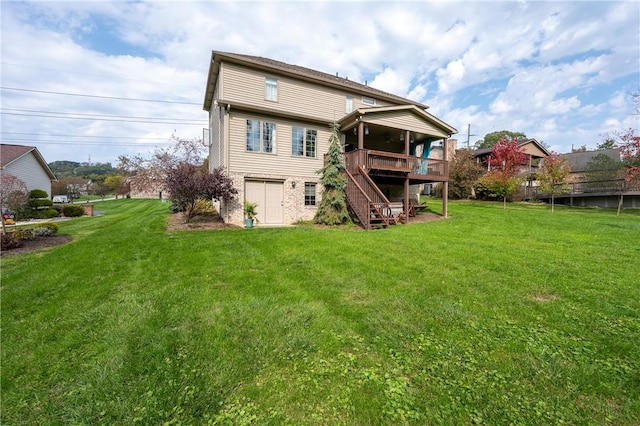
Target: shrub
(45, 214)
(42, 232)
(40, 203)
(53, 227)
(9, 241)
(24, 234)
(58, 208)
(204, 207)
(72, 210)
(38, 193)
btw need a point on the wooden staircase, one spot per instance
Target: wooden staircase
(370, 205)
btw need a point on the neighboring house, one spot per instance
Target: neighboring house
(597, 179)
(531, 147)
(535, 153)
(27, 164)
(580, 161)
(269, 129)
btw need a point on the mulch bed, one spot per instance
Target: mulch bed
(36, 244)
(199, 223)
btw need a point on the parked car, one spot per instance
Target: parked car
(60, 199)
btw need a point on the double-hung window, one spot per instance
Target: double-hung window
(261, 137)
(304, 142)
(349, 104)
(309, 194)
(271, 89)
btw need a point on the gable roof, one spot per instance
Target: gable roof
(486, 151)
(296, 71)
(580, 160)
(10, 153)
(351, 119)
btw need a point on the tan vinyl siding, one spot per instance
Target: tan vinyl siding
(402, 120)
(533, 150)
(281, 162)
(247, 86)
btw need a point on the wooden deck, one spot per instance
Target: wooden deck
(389, 164)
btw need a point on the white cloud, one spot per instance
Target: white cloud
(558, 71)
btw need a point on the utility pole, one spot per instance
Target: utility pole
(468, 136)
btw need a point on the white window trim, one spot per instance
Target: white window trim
(368, 101)
(270, 84)
(274, 141)
(304, 143)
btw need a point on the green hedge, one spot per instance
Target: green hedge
(72, 210)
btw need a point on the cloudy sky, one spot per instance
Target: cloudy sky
(88, 81)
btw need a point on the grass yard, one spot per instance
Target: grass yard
(493, 316)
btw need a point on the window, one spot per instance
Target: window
(253, 135)
(297, 141)
(261, 138)
(368, 101)
(349, 104)
(303, 142)
(309, 194)
(269, 137)
(271, 89)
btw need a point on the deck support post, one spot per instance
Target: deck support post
(407, 143)
(405, 207)
(361, 135)
(445, 184)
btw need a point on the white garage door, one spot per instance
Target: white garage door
(270, 199)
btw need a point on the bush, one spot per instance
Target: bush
(45, 214)
(42, 232)
(204, 207)
(72, 210)
(58, 208)
(24, 234)
(9, 241)
(36, 203)
(52, 227)
(38, 193)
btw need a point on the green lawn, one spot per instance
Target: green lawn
(494, 316)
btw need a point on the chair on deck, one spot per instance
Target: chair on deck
(416, 208)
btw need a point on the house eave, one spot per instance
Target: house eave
(296, 72)
(238, 106)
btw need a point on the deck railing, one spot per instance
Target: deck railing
(363, 196)
(607, 186)
(390, 161)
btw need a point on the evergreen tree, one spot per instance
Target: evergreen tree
(333, 206)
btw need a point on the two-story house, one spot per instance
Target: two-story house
(269, 129)
(535, 153)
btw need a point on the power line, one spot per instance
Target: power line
(97, 96)
(103, 119)
(82, 136)
(96, 115)
(84, 143)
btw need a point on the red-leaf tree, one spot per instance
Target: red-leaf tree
(553, 176)
(187, 183)
(506, 158)
(630, 148)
